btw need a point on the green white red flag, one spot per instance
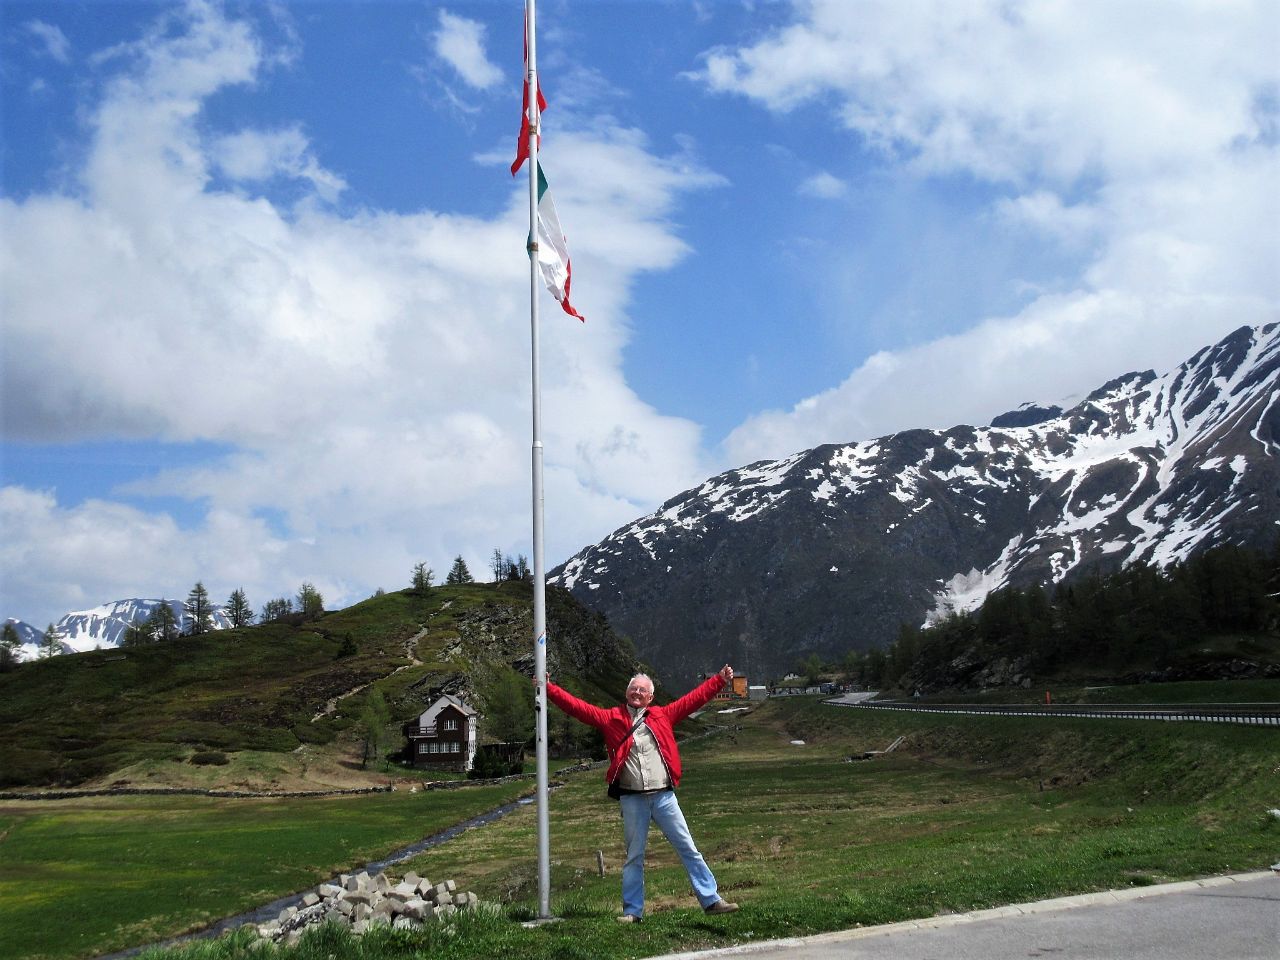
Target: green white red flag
(553, 250)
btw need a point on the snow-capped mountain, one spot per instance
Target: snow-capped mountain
(28, 637)
(833, 548)
(104, 626)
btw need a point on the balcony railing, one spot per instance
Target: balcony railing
(433, 731)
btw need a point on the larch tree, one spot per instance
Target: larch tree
(422, 579)
(10, 648)
(238, 610)
(49, 643)
(310, 603)
(163, 623)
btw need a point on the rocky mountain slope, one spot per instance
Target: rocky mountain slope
(833, 548)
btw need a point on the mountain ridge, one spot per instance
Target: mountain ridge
(104, 625)
(835, 546)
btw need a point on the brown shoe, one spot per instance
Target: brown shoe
(628, 918)
(721, 906)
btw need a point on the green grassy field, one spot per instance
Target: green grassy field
(87, 876)
(970, 812)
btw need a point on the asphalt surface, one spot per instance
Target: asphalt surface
(1220, 918)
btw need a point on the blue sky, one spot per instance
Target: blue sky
(264, 292)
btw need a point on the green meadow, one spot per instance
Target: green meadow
(87, 876)
(970, 812)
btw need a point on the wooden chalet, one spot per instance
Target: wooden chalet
(444, 735)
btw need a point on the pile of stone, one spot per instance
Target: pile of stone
(359, 901)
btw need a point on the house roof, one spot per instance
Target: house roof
(445, 700)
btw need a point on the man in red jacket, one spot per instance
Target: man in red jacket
(644, 771)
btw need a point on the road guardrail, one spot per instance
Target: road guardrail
(1254, 714)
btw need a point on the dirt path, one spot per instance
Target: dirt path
(410, 651)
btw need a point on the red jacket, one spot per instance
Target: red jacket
(615, 723)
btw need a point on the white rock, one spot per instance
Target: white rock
(417, 909)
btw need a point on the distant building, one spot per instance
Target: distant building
(444, 735)
(757, 692)
(736, 690)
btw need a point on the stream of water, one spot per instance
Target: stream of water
(271, 910)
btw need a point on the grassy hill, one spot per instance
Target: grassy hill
(251, 703)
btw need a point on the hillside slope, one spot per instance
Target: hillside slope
(88, 716)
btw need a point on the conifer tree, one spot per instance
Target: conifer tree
(199, 614)
(423, 577)
(458, 573)
(163, 623)
(276, 609)
(137, 633)
(310, 603)
(373, 724)
(238, 610)
(49, 643)
(10, 645)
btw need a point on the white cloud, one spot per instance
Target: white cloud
(370, 369)
(260, 155)
(823, 186)
(1048, 354)
(53, 41)
(1139, 137)
(460, 43)
(48, 547)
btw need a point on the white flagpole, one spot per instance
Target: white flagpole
(539, 571)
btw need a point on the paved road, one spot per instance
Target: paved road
(1222, 918)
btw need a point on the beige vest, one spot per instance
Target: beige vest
(644, 769)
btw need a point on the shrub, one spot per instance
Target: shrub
(210, 758)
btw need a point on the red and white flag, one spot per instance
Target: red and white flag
(528, 117)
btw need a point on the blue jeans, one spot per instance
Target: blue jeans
(664, 810)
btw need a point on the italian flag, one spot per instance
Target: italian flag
(552, 250)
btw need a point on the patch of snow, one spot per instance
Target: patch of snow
(967, 591)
